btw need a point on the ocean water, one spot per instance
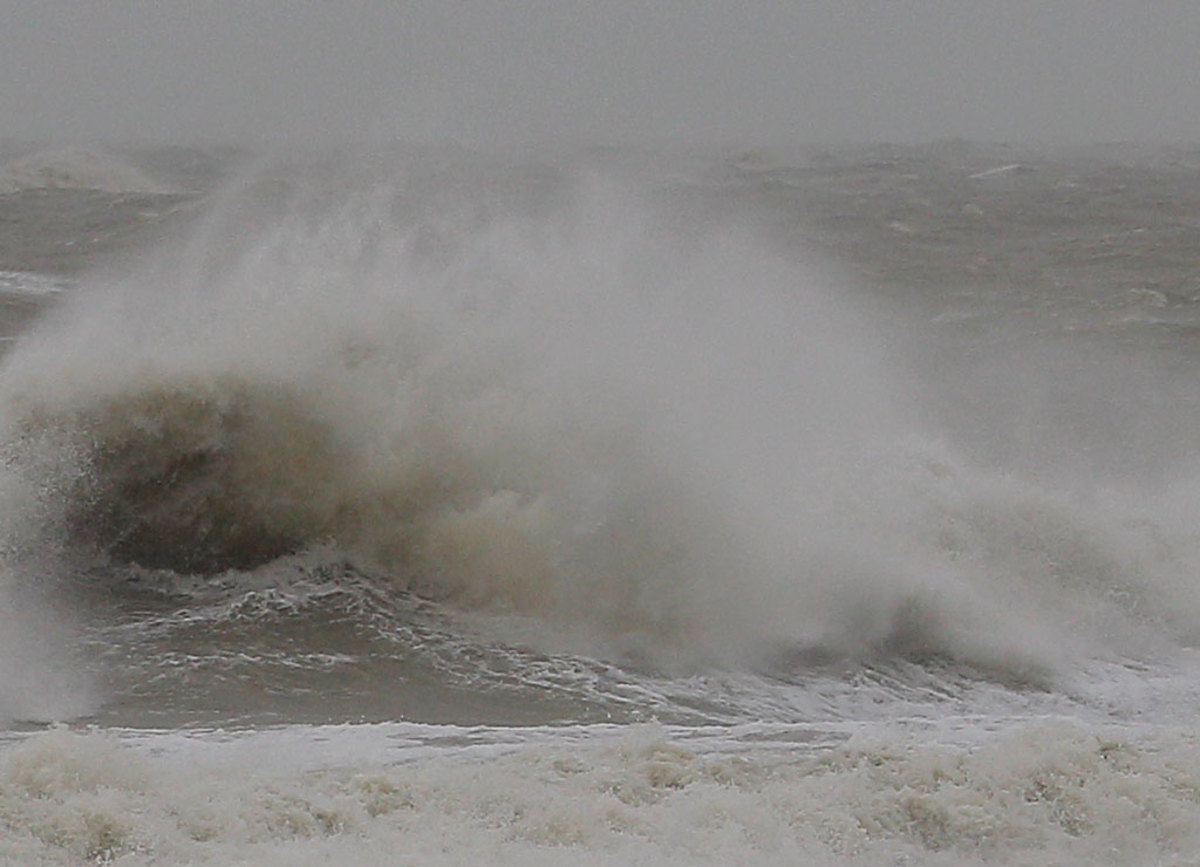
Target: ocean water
(608, 507)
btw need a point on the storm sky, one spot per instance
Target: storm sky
(759, 72)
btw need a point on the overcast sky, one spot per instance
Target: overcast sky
(606, 71)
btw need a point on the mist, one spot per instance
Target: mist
(531, 72)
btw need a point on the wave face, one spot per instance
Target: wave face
(604, 419)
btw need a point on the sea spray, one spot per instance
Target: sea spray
(546, 394)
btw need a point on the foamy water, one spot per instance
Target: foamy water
(443, 510)
(1037, 793)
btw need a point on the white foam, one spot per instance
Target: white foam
(1039, 792)
(998, 170)
(27, 283)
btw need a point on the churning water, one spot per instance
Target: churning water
(606, 509)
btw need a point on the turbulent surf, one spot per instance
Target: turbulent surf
(607, 508)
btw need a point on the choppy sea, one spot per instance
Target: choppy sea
(606, 507)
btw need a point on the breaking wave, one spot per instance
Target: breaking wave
(583, 407)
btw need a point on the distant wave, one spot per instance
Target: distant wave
(76, 169)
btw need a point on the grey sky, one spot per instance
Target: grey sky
(617, 71)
